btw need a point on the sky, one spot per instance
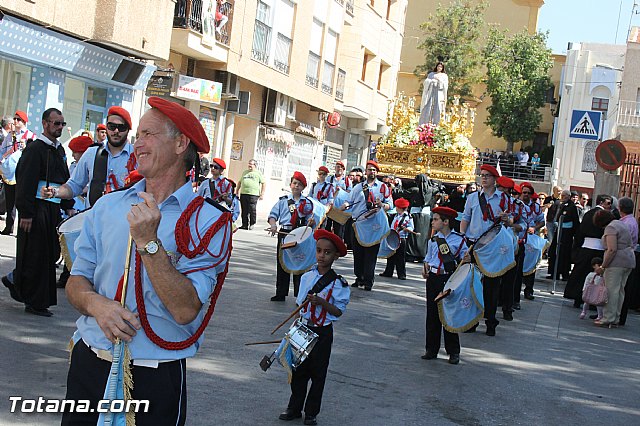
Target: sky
(592, 21)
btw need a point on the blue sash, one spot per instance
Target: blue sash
(372, 230)
(114, 390)
(533, 250)
(464, 306)
(495, 252)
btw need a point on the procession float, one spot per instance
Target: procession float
(442, 151)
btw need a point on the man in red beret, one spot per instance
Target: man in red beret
(101, 134)
(324, 295)
(102, 169)
(402, 224)
(290, 212)
(322, 190)
(342, 187)
(219, 188)
(534, 220)
(178, 267)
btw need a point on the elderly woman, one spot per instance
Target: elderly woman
(617, 264)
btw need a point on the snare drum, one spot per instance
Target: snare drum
(69, 230)
(298, 251)
(494, 251)
(389, 245)
(302, 341)
(340, 216)
(371, 227)
(461, 305)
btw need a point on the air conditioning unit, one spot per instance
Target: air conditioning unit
(275, 111)
(230, 84)
(291, 109)
(239, 106)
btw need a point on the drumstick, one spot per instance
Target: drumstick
(263, 343)
(298, 309)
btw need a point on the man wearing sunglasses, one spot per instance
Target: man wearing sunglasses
(103, 169)
(43, 162)
(534, 219)
(219, 188)
(101, 135)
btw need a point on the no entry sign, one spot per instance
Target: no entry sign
(611, 154)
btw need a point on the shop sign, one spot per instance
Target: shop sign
(160, 85)
(199, 89)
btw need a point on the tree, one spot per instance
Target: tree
(517, 82)
(453, 34)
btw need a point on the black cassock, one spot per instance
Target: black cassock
(582, 256)
(39, 249)
(569, 214)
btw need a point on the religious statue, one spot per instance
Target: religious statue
(434, 95)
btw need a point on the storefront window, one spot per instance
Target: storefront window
(73, 108)
(14, 87)
(97, 96)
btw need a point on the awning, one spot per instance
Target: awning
(309, 130)
(278, 135)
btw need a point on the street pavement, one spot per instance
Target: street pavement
(547, 367)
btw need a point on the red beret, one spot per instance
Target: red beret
(374, 164)
(340, 163)
(527, 185)
(80, 143)
(220, 162)
(517, 188)
(132, 178)
(534, 196)
(505, 182)
(120, 112)
(323, 169)
(184, 120)
(401, 203)
(490, 169)
(22, 115)
(446, 212)
(337, 241)
(101, 127)
(300, 177)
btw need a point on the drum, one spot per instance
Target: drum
(334, 213)
(302, 341)
(371, 227)
(298, 251)
(389, 245)
(494, 251)
(340, 197)
(534, 248)
(8, 167)
(319, 212)
(69, 230)
(461, 305)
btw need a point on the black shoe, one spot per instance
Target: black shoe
(290, 414)
(402, 278)
(429, 355)
(454, 359)
(246, 228)
(310, 420)
(516, 306)
(43, 312)
(12, 289)
(6, 231)
(250, 227)
(529, 296)
(594, 316)
(367, 288)
(278, 298)
(507, 316)
(382, 274)
(356, 284)
(491, 331)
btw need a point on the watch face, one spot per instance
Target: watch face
(151, 247)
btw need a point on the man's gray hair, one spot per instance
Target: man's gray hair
(625, 205)
(191, 154)
(6, 120)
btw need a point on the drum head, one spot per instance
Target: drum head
(369, 214)
(458, 277)
(488, 237)
(299, 235)
(393, 239)
(72, 224)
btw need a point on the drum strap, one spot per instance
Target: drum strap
(324, 281)
(96, 187)
(367, 196)
(446, 255)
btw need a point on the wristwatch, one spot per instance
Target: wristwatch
(150, 248)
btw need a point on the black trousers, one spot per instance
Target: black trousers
(165, 387)
(283, 278)
(491, 295)
(518, 279)
(313, 368)
(435, 284)
(10, 203)
(364, 263)
(347, 233)
(335, 227)
(564, 255)
(248, 205)
(398, 261)
(506, 289)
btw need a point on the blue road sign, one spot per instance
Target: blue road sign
(585, 124)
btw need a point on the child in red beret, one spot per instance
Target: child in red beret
(402, 223)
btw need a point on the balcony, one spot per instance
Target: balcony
(188, 14)
(283, 53)
(350, 6)
(261, 37)
(629, 114)
(340, 84)
(327, 78)
(312, 70)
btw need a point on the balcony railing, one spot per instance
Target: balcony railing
(514, 169)
(340, 83)
(311, 81)
(349, 6)
(261, 37)
(218, 23)
(312, 70)
(629, 114)
(283, 52)
(327, 78)
(188, 14)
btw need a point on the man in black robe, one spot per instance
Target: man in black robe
(586, 245)
(42, 163)
(568, 223)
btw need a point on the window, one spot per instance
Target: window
(327, 78)
(312, 70)
(315, 47)
(365, 61)
(283, 51)
(262, 34)
(389, 9)
(381, 76)
(283, 27)
(342, 78)
(600, 104)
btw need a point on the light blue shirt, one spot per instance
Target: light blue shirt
(358, 201)
(533, 214)
(456, 243)
(83, 173)
(339, 182)
(472, 214)
(402, 221)
(100, 257)
(323, 192)
(205, 191)
(280, 211)
(339, 296)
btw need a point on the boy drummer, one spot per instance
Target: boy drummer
(445, 250)
(402, 223)
(326, 296)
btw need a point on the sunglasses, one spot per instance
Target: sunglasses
(526, 193)
(215, 166)
(585, 199)
(58, 123)
(120, 127)
(19, 119)
(485, 176)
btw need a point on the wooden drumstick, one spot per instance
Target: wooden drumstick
(270, 342)
(298, 309)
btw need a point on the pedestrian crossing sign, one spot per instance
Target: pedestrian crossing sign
(585, 124)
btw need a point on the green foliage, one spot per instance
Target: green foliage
(453, 33)
(517, 81)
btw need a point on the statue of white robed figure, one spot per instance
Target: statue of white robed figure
(434, 95)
